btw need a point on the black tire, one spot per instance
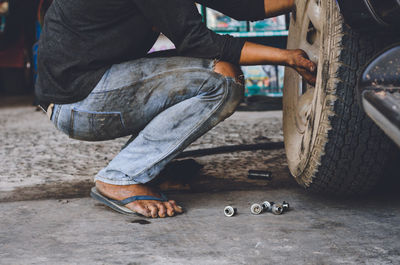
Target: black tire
(336, 149)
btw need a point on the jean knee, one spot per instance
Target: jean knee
(235, 97)
(233, 73)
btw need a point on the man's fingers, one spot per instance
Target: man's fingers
(312, 67)
(308, 65)
(310, 79)
(307, 75)
(303, 61)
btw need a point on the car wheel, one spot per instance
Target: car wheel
(331, 145)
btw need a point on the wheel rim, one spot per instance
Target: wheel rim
(300, 100)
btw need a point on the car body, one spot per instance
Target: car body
(379, 85)
(370, 15)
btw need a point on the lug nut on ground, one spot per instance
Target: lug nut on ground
(267, 205)
(277, 209)
(256, 209)
(259, 208)
(230, 211)
(285, 206)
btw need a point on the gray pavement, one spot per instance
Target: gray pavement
(67, 227)
(315, 231)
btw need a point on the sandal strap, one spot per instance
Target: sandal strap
(140, 198)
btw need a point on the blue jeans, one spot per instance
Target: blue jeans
(165, 103)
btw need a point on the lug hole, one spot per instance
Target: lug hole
(303, 86)
(294, 13)
(311, 34)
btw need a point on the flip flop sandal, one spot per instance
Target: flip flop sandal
(119, 206)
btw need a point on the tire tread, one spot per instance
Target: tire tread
(350, 151)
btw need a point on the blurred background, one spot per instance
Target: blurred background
(18, 33)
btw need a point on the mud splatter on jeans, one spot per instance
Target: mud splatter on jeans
(165, 103)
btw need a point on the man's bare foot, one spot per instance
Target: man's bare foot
(147, 208)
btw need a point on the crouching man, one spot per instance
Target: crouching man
(97, 83)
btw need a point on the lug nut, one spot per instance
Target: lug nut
(277, 209)
(259, 208)
(267, 206)
(230, 211)
(285, 206)
(256, 209)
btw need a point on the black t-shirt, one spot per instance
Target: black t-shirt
(82, 39)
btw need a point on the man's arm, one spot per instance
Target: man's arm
(250, 9)
(277, 7)
(255, 54)
(181, 22)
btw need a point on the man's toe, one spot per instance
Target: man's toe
(170, 209)
(153, 209)
(177, 208)
(139, 208)
(161, 210)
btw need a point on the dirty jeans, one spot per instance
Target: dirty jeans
(164, 103)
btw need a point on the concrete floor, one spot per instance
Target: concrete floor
(315, 231)
(40, 163)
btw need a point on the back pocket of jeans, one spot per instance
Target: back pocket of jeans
(96, 126)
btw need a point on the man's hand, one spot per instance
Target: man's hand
(299, 61)
(257, 54)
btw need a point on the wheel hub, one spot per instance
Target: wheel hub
(299, 97)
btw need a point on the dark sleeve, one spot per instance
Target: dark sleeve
(181, 22)
(249, 10)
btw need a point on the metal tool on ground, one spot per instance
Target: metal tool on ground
(256, 209)
(277, 209)
(285, 206)
(267, 205)
(229, 211)
(259, 174)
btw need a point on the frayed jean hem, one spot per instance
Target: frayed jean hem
(116, 182)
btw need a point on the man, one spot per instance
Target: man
(93, 67)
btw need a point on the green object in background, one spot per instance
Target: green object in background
(260, 80)
(219, 22)
(264, 80)
(274, 23)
